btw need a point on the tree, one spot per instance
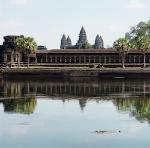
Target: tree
(122, 45)
(148, 27)
(143, 43)
(86, 46)
(141, 29)
(26, 45)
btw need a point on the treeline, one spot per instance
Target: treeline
(137, 38)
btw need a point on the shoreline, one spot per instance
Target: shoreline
(77, 72)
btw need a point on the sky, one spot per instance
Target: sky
(48, 20)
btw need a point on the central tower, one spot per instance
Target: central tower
(82, 38)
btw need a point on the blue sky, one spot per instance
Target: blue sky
(47, 20)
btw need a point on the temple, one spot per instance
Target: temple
(67, 44)
(82, 54)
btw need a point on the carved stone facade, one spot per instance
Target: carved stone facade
(11, 55)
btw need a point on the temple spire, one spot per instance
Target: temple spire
(69, 42)
(63, 42)
(102, 42)
(82, 38)
(99, 44)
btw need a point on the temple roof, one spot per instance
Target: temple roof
(109, 50)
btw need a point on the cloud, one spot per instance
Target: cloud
(19, 2)
(136, 4)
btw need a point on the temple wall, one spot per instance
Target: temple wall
(86, 58)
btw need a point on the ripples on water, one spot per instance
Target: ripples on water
(64, 113)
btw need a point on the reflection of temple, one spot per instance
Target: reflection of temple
(76, 88)
(127, 95)
(13, 101)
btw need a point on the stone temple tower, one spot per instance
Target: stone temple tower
(63, 42)
(99, 44)
(82, 38)
(69, 42)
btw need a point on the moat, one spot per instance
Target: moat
(66, 112)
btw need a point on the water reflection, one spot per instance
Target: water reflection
(74, 88)
(22, 106)
(138, 108)
(132, 96)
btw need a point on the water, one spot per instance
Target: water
(64, 113)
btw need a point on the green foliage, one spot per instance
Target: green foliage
(27, 45)
(86, 46)
(139, 30)
(136, 32)
(139, 108)
(143, 43)
(23, 106)
(122, 45)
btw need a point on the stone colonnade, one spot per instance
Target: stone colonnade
(85, 59)
(78, 58)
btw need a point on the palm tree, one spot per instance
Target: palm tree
(143, 44)
(122, 45)
(26, 45)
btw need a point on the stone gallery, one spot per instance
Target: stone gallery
(82, 53)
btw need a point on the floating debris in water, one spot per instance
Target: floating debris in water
(24, 123)
(106, 132)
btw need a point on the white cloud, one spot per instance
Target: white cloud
(19, 2)
(136, 4)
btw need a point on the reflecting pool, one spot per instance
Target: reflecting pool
(66, 113)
